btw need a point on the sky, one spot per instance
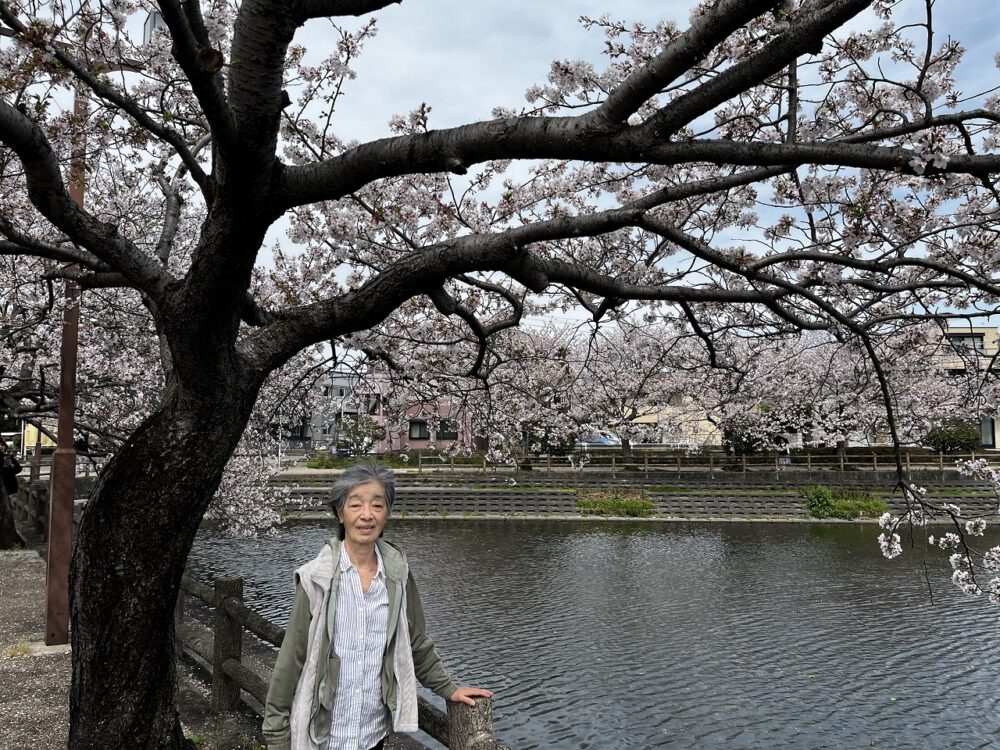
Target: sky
(463, 58)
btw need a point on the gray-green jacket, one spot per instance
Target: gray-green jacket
(315, 599)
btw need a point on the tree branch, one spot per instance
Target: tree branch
(48, 194)
(191, 51)
(680, 55)
(810, 25)
(117, 99)
(323, 8)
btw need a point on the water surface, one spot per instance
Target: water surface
(643, 635)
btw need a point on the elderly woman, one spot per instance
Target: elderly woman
(355, 643)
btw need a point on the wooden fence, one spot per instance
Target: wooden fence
(463, 727)
(642, 460)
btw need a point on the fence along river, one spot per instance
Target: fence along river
(633, 635)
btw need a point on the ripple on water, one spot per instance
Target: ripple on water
(688, 635)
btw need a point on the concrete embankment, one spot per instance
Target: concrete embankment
(719, 496)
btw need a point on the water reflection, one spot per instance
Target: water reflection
(640, 635)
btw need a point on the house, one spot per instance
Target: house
(974, 350)
(344, 394)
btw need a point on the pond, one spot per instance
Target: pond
(645, 635)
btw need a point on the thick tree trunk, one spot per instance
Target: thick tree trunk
(626, 448)
(130, 553)
(842, 449)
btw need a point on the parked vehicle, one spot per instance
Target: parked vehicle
(599, 439)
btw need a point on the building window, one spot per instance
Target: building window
(327, 390)
(341, 392)
(987, 432)
(447, 430)
(419, 431)
(971, 341)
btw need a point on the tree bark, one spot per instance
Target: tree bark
(132, 546)
(626, 448)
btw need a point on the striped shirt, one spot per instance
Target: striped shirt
(360, 717)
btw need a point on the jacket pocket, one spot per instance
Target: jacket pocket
(329, 686)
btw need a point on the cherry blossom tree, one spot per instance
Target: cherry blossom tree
(763, 168)
(828, 391)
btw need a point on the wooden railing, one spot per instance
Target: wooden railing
(463, 727)
(643, 459)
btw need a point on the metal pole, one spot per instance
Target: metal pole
(63, 492)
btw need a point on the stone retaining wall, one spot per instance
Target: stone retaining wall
(459, 500)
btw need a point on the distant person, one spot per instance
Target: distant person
(355, 643)
(10, 468)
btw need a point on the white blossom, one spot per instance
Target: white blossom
(890, 545)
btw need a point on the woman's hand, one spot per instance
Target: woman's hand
(465, 694)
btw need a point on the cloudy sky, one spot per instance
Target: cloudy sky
(463, 58)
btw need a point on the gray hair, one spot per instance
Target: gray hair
(362, 473)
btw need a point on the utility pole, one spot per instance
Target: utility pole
(62, 492)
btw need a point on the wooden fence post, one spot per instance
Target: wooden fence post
(940, 461)
(809, 461)
(711, 464)
(743, 460)
(612, 466)
(420, 462)
(841, 457)
(471, 727)
(875, 461)
(228, 644)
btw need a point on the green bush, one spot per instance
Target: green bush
(628, 506)
(819, 500)
(822, 502)
(954, 437)
(327, 462)
(860, 506)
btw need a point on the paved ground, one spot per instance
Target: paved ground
(35, 679)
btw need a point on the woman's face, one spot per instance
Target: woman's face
(365, 511)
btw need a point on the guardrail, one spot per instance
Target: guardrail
(463, 727)
(643, 460)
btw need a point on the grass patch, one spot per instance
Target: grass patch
(18, 650)
(823, 502)
(624, 505)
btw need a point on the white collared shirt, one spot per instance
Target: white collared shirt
(360, 717)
